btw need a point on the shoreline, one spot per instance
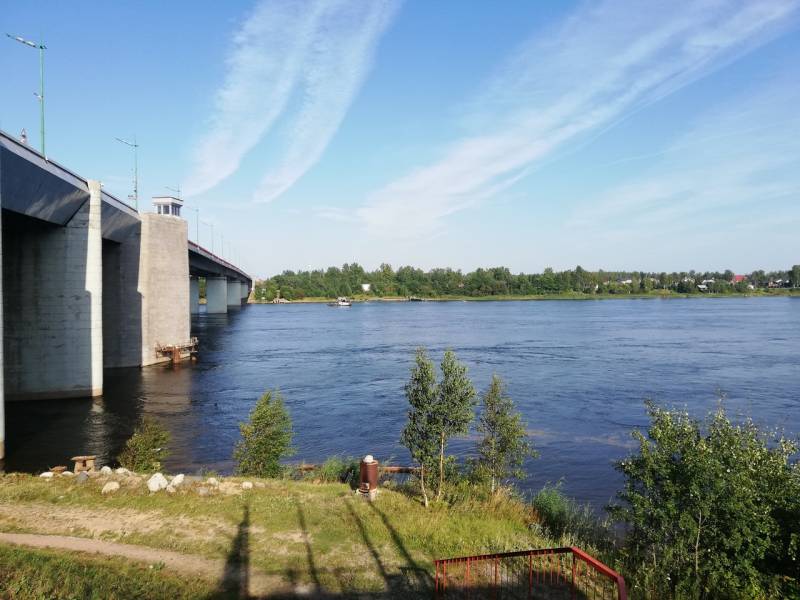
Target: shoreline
(360, 299)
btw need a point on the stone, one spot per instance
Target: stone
(46, 475)
(157, 482)
(212, 481)
(177, 481)
(260, 485)
(82, 477)
(106, 470)
(171, 490)
(203, 491)
(110, 487)
(68, 474)
(122, 471)
(247, 485)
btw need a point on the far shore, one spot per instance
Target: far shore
(572, 296)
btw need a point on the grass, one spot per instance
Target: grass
(32, 574)
(302, 533)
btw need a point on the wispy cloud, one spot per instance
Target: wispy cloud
(315, 54)
(603, 63)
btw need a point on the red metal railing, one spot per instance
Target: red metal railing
(543, 573)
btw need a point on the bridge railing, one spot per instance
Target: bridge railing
(551, 573)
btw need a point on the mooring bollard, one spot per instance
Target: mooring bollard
(368, 485)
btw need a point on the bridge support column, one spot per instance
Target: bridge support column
(2, 393)
(194, 295)
(245, 292)
(216, 295)
(53, 304)
(234, 293)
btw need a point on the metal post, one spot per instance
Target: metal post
(574, 564)
(41, 96)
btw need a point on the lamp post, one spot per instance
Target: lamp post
(135, 147)
(212, 235)
(41, 48)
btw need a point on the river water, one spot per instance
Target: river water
(578, 370)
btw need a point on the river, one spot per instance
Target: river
(578, 370)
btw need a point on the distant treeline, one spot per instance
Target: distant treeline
(500, 281)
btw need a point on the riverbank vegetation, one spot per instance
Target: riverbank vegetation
(710, 508)
(499, 282)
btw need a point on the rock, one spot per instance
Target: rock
(177, 481)
(247, 485)
(133, 482)
(203, 491)
(110, 487)
(82, 477)
(157, 482)
(68, 474)
(46, 475)
(106, 470)
(260, 485)
(170, 489)
(122, 471)
(212, 481)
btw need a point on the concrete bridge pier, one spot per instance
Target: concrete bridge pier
(245, 292)
(53, 304)
(194, 295)
(216, 295)
(234, 294)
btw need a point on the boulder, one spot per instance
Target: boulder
(177, 481)
(203, 491)
(106, 470)
(247, 485)
(212, 481)
(82, 477)
(157, 482)
(260, 485)
(47, 475)
(110, 487)
(171, 490)
(68, 474)
(122, 471)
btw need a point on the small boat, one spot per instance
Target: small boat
(341, 301)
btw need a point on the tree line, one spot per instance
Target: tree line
(500, 281)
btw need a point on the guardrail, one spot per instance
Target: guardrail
(542, 573)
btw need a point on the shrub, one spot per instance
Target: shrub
(147, 447)
(562, 518)
(711, 508)
(338, 469)
(266, 438)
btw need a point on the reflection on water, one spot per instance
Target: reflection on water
(579, 372)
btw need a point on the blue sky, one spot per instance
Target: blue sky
(610, 134)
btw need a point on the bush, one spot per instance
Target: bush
(266, 438)
(562, 518)
(147, 447)
(338, 469)
(711, 509)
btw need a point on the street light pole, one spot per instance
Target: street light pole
(40, 95)
(135, 147)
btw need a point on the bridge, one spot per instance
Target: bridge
(89, 283)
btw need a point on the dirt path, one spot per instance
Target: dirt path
(207, 568)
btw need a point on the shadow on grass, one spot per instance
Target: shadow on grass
(236, 576)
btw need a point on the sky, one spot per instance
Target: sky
(656, 136)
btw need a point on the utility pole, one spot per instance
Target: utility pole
(135, 147)
(41, 48)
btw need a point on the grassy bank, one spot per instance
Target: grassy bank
(568, 296)
(297, 537)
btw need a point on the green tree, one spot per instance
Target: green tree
(709, 506)
(505, 443)
(455, 406)
(147, 447)
(438, 411)
(794, 276)
(266, 438)
(420, 432)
